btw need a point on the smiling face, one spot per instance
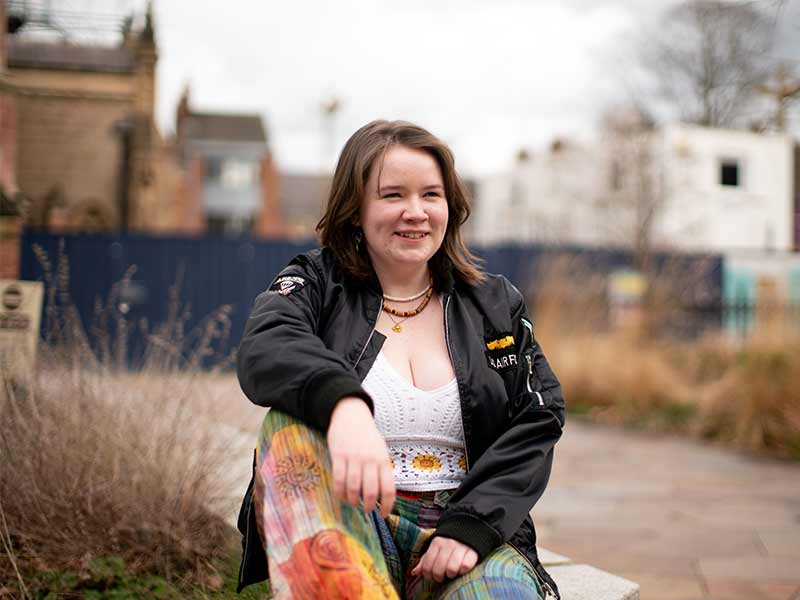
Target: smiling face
(404, 212)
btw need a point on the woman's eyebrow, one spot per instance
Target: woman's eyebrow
(399, 187)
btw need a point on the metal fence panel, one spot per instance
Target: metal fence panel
(222, 271)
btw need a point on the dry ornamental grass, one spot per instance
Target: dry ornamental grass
(743, 393)
(99, 461)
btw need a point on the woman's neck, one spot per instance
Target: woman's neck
(403, 284)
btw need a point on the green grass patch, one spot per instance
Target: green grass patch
(579, 409)
(677, 414)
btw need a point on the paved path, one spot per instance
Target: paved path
(684, 520)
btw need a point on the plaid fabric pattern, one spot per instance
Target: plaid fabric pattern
(319, 547)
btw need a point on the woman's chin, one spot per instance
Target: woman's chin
(410, 259)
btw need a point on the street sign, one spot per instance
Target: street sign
(20, 318)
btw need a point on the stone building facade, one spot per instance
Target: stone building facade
(10, 219)
(673, 187)
(86, 145)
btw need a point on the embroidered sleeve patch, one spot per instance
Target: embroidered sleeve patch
(502, 360)
(287, 284)
(501, 352)
(501, 343)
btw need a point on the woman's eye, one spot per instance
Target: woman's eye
(434, 194)
(392, 195)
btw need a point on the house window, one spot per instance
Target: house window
(213, 167)
(216, 224)
(730, 173)
(238, 174)
(229, 225)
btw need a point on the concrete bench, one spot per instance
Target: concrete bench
(584, 582)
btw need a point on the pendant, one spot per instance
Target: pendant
(396, 328)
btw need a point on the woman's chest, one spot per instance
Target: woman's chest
(416, 348)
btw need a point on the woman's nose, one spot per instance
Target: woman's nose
(415, 209)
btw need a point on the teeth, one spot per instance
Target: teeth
(413, 236)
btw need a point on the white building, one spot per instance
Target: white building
(728, 190)
(686, 187)
(548, 197)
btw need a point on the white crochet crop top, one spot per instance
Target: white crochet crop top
(422, 429)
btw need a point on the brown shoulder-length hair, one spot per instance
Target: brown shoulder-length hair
(337, 228)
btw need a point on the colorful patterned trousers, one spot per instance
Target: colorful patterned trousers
(319, 547)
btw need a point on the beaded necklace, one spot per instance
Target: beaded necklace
(410, 298)
(406, 314)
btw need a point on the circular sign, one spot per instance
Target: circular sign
(12, 297)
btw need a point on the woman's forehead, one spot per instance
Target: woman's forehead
(400, 166)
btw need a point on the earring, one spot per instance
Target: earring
(358, 237)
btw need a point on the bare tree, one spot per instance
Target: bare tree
(706, 58)
(633, 196)
(632, 206)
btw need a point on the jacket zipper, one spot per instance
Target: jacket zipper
(530, 373)
(450, 353)
(528, 381)
(548, 591)
(371, 333)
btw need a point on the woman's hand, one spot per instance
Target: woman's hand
(445, 557)
(359, 457)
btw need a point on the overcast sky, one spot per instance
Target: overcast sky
(488, 76)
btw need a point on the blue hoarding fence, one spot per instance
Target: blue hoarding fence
(209, 273)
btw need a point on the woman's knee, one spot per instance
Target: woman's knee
(503, 574)
(275, 422)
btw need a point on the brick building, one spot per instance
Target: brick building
(230, 184)
(10, 219)
(80, 150)
(78, 132)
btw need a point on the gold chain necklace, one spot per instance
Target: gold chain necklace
(396, 327)
(406, 314)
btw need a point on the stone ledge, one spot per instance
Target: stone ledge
(583, 582)
(551, 559)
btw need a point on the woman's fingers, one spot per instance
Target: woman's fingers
(468, 562)
(388, 493)
(425, 563)
(446, 558)
(353, 485)
(339, 472)
(369, 486)
(355, 480)
(439, 568)
(359, 457)
(455, 562)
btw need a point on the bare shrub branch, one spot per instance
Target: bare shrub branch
(101, 460)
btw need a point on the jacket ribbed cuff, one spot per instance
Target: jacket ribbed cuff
(321, 393)
(469, 530)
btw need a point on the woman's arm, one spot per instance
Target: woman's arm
(281, 361)
(503, 485)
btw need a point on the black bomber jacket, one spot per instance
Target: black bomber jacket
(311, 339)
